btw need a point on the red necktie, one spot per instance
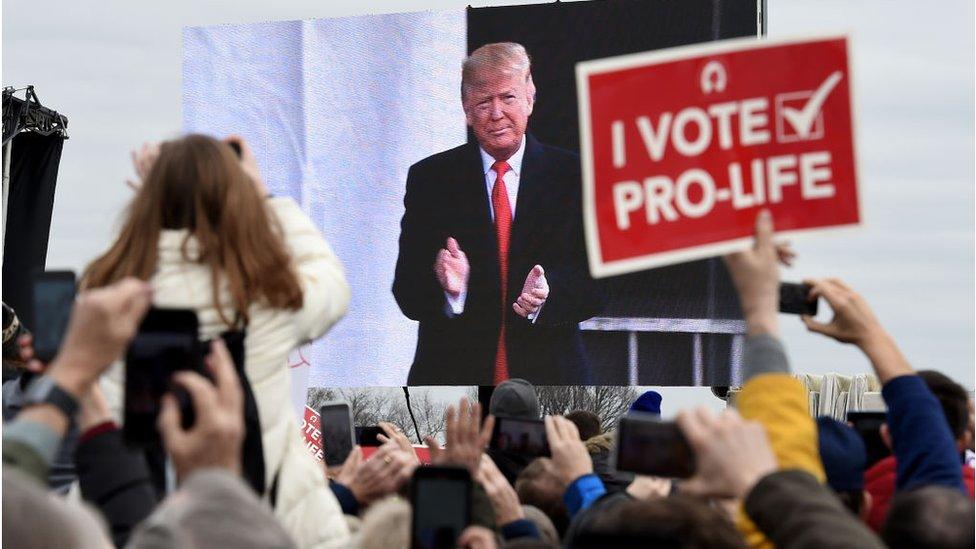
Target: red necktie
(503, 225)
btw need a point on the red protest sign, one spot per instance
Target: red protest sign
(312, 433)
(681, 148)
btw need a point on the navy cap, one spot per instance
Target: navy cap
(843, 454)
(649, 402)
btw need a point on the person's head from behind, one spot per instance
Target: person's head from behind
(33, 517)
(955, 405)
(677, 521)
(213, 508)
(587, 422)
(542, 522)
(539, 485)
(386, 524)
(930, 517)
(844, 459)
(649, 402)
(497, 94)
(515, 398)
(199, 185)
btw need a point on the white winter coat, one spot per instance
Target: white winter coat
(305, 504)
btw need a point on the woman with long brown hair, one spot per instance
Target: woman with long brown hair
(203, 230)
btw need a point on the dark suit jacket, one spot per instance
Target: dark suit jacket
(446, 197)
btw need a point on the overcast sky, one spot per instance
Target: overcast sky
(114, 68)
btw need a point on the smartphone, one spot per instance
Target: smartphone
(868, 425)
(441, 501)
(167, 342)
(237, 148)
(649, 446)
(526, 437)
(335, 422)
(793, 299)
(367, 436)
(53, 295)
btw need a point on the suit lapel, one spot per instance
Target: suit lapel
(530, 185)
(483, 249)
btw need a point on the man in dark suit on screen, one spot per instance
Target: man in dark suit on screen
(492, 262)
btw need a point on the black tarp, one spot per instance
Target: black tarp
(34, 164)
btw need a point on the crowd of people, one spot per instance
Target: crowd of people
(203, 233)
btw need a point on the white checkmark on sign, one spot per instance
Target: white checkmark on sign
(802, 119)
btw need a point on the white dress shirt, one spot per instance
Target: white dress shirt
(455, 305)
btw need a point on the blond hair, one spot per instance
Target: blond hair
(504, 57)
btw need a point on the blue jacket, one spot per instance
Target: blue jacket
(922, 443)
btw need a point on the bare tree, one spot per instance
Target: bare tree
(609, 403)
(369, 406)
(428, 412)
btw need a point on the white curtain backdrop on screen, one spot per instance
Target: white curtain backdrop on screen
(338, 110)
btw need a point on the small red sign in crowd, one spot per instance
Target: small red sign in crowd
(312, 432)
(681, 148)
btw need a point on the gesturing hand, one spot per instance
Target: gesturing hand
(647, 487)
(102, 323)
(731, 454)
(466, 438)
(142, 161)
(569, 455)
(535, 292)
(249, 164)
(382, 474)
(396, 434)
(853, 320)
(504, 500)
(216, 437)
(25, 346)
(451, 268)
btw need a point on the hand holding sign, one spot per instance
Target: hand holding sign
(451, 268)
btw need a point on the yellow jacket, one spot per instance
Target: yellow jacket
(780, 403)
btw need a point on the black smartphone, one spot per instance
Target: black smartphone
(868, 426)
(526, 437)
(649, 446)
(335, 422)
(441, 501)
(53, 295)
(369, 435)
(793, 299)
(237, 148)
(167, 342)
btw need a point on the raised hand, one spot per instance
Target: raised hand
(142, 161)
(731, 454)
(249, 163)
(384, 473)
(755, 274)
(451, 268)
(535, 292)
(854, 322)
(569, 455)
(397, 435)
(504, 500)
(466, 437)
(216, 437)
(103, 321)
